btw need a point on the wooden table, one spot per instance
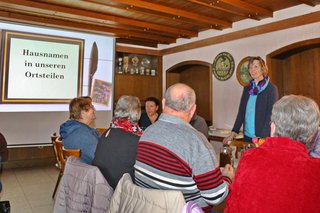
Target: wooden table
(220, 134)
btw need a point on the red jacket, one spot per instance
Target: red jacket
(279, 176)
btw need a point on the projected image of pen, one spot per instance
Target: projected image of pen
(93, 64)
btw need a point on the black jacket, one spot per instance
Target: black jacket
(116, 154)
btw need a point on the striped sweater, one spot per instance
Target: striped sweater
(173, 155)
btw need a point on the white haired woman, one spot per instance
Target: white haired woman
(280, 175)
(117, 147)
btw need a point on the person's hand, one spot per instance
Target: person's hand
(228, 171)
(229, 138)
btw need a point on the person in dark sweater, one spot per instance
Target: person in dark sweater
(117, 147)
(256, 103)
(151, 114)
(199, 123)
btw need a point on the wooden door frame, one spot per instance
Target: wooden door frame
(196, 63)
(290, 49)
(285, 52)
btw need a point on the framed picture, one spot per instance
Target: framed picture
(223, 66)
(243, 74)
(101, 92)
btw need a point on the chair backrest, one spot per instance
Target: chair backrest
(101, 130)
(131, 198)
(64, 153)
(54, 137)
(58, 145)
(83, 188)
(71, 152)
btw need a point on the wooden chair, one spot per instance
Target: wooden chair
(69, 152)
(63, 154)
(54, 137)
(57, 144)
(101, 130)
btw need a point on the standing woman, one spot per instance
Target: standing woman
(256, 103)
(151, 114)
(76, 132)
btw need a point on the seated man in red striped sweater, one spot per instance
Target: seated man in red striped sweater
(173, 155)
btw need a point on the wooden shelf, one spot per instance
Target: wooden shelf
(136, 64)
(138, 75)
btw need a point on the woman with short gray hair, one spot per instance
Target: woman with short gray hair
(128, 107)
(280, 175)
(296, 117)
(117, 147)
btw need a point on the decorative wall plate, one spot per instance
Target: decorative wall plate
(243, 74)
(223, 66)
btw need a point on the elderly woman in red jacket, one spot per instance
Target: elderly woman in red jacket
(280, 175)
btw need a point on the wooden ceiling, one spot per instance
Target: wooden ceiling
(145, 23)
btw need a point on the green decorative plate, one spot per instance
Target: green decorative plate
(223, 66)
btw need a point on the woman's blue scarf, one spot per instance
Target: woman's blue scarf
(255, 89)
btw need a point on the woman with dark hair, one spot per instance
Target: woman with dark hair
(256, 103)
(76, 133)
(151, 114)
(117, 147)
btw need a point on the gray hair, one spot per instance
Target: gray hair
(180, 97)
(128, 107)
(296, 117)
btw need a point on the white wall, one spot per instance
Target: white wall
(226, 94)
(36, 127)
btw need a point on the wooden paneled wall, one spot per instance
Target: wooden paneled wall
(295, 69)
(136, 85)
(30, 157)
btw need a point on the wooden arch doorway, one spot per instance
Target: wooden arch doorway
(196, 74)
(295, 69)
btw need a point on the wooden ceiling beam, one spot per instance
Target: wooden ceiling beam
(254, 9)
(213, 6)
(135, 50)
(100, 16)
(80, 26)
(310, 3)
(175, 12)
(133, 9)
(136, 42)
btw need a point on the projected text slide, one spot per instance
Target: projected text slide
(40, 68)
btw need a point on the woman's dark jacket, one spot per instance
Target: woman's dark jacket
(116, 154)
(264, 104)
